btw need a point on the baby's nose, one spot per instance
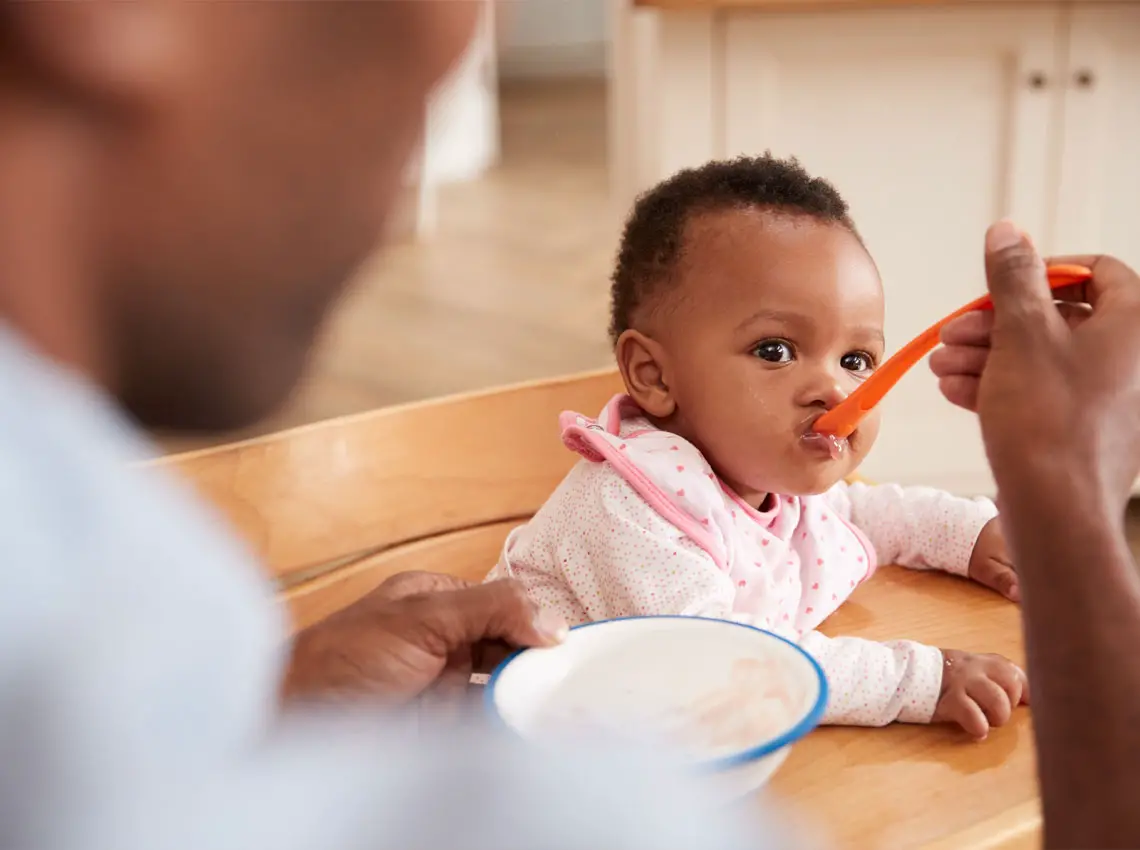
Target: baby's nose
(827, 394)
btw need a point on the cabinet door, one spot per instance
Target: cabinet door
(932, 123)
(1100, 188)
(664, 95)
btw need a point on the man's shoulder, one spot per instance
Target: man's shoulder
(84, 526)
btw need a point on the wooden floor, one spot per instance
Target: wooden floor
(513, 286)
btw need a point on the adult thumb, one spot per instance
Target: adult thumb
(1016, 278)
(497, 611)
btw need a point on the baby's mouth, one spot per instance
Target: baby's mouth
(835, 447)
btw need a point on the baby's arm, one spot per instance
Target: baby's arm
(873, 684)
(917, 527)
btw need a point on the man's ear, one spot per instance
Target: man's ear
(118, 52)
(644, 369)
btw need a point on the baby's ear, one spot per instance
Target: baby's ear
(642, 368)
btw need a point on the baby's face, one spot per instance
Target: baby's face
(774, 321)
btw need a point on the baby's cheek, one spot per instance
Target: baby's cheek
(753, 458)
(864, 439)
(737, 419)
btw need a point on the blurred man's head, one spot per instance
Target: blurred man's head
(185, 187)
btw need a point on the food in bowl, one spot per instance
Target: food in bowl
(722, 695)
(751, 706)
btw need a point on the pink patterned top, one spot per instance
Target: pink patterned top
(643, 526)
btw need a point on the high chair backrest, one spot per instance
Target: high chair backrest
(336, 507)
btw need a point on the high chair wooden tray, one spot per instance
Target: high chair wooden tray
(920, 786)
(335, 508)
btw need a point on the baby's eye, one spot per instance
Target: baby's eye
(774, 351)
(857, 361)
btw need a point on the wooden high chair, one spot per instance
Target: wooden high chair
(335, 508)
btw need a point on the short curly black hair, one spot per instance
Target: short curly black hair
(652, 240)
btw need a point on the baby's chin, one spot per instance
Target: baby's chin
(800, 472)
(809, 482)
(816, 489)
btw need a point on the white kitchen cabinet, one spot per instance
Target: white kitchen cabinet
(1099, 198)
(932, 122)
(929, 123)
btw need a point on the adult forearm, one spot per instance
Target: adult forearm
(1081, 605)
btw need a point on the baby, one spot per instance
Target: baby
(744, 306)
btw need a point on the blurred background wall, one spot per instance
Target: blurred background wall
(932, 118)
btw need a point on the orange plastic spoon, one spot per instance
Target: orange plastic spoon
(845, 417)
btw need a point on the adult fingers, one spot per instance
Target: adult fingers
(1089, 261)
(446, 700)
(489, 654)
(1015, 275)
(1074, 312)
(1077, 292)
(975, 329)
(959, 360)
(960, 390)
(415, 582)
(969, 329)
(1109, 276)
(499, 610)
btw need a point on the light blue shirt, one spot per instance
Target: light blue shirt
(140, 656)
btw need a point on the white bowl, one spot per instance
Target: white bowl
(728, 698)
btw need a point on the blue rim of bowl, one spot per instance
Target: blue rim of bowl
(801, 728)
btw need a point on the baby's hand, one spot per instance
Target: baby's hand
(990, 564)
(979, 691)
